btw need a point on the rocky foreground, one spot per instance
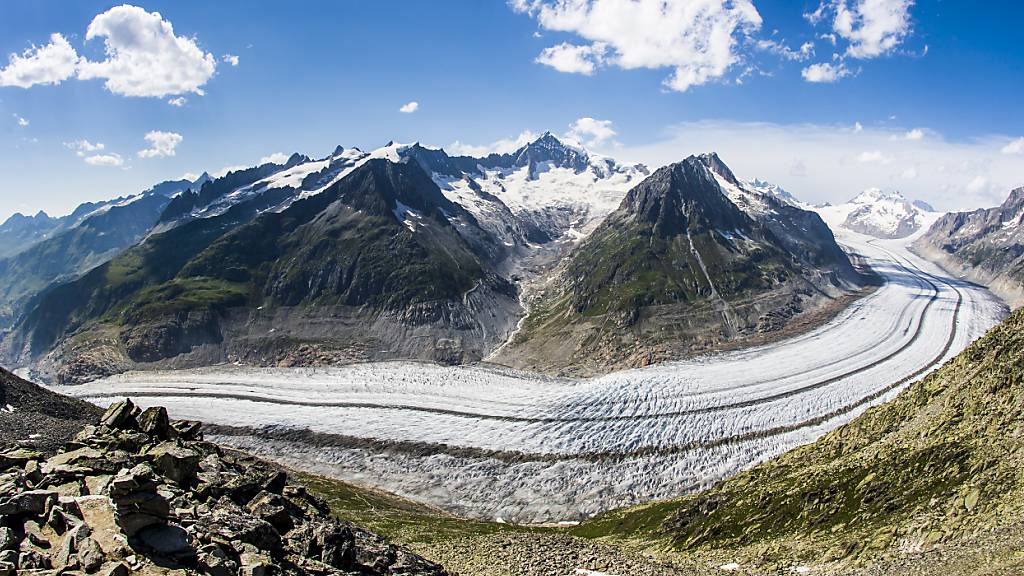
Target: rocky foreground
(139, 493)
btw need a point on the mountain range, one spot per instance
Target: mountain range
(986, 246)
(882, 214)
(407, 252)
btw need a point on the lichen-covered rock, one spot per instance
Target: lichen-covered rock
(137, 492)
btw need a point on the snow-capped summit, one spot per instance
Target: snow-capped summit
(881, 213)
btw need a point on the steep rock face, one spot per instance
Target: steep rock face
(140, 493)
(380, 257)
(938, 465)
(690, 260)
(986, 246)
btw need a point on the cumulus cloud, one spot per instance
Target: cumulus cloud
(698, 40)
(230, 59)
(83, 147)
(1014, 147)
(22, 122)
(590, 131)
(869, 28)
(977, 184)
(177, 102)
(858, 127)
(409, 107)
(573, 59)
(161, 144)
(49, 64)
(502, 146)
(112, 159)
(825, 72)
(144, 56)
(819, 163)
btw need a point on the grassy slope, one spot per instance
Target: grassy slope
(939, 463)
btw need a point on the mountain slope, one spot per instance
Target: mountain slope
(77, 244)
(937, 466)
(986, 246)
(38, 419)
(690, 260)
(380, 258)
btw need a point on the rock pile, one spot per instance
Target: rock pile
(140, 493)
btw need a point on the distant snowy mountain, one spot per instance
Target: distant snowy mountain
(773, 190)
(882, 214)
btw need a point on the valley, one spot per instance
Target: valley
(492, 443)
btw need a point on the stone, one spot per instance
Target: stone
(7, 539)
(33, 560)
(187, 430)
(90, 555)
(119, 569)
(276, 483)
(971, 500)
(273, 509)
(215, 562)
(34, 534)
(120, 415)
(231, 523)
(177, 463)
(256, 565)
(7, 569)
(34, 502)
(97, 484)
(154, 421)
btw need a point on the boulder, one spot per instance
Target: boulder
(120, 415)
(154, 421)
(177, 463)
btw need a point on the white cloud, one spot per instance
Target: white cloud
(805, 52)
(590, 131)
(83, 147)
(503, 146)
(178, 102)
(160, 144)
(573, 59)
(910, 173)
(873, 156)
(858, 127)
(50, 64)
(915, 134)
(112, 159)
(872, 28)
(825, 72)
(698, 39)
(22, 122)
(144, 56)
(818, 163)
(230, 59)
(275, 158)
(409, 107)
(1014, 147)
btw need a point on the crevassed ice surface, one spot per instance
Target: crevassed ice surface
(495, 443)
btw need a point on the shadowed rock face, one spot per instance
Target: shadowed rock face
(140, 492)
(680, 246)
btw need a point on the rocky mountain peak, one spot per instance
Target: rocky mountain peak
(715, 164)
(676, 194)
(872, 195)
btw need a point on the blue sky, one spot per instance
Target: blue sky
(929, 105)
